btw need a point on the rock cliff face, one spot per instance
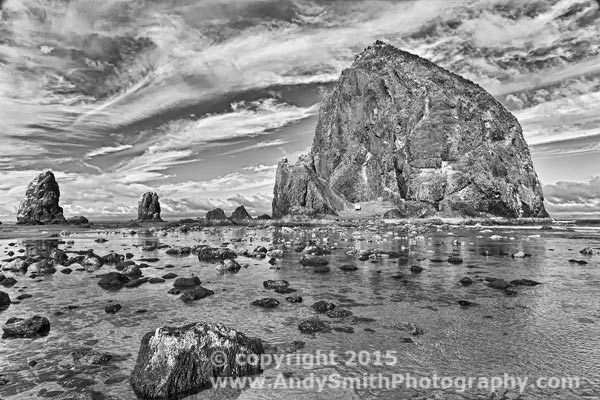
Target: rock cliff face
(40, 205)
(397, 127)
(149, 207)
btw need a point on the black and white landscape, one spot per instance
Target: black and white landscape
(409, 187)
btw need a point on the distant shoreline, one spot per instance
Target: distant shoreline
(54, 231)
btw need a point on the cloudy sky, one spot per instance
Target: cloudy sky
(198, 99)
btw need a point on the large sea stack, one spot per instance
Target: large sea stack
(40, 205)
(149, 207)
(399, 128)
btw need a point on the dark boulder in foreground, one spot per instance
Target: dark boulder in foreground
(499, 284)
(113, 280)
(184, 283)
(196, 293)
(4, 300)
(240, 213)
(267, 302)
(176, 362)
(112, 308)
(40, 205)
(524, 282)
(323, 306)
(399, 128)
(294, 299)
(26, 328)
(308, 260)
(313, 326)
(149, 207)
(216, 215)
(280, 284)
(213, 254)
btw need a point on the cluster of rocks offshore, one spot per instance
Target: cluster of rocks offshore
(41, 207)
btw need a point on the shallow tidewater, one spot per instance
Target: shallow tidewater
(544, 331)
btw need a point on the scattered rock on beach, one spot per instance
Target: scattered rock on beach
(415, 269)
(323, 306)
(112, 308)
(4, 299)
(213, 254)
(589, 251)
(8, 282)
(196, 293)
(465, 303)
(26, 328)
(338, 313)
(524, 282)
(294, 299)
(308, 260)
(466, 281)
(113, 280)
(499, 284)
(321, 269)
(267, 302)
(228, 266)
(275, 284)
(183, 283)
(455, 259)
(313, 326)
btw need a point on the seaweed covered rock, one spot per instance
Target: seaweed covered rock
(175, 362)
(401, 129)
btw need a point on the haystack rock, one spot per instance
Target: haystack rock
(399, 128)
(40, 205)
(149, 207)
(240, 213)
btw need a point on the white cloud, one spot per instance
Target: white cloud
(107, 150)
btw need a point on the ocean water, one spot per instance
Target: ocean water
(550, 330)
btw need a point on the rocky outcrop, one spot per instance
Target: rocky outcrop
(78, 220)
(149, 207)
(216, 214)
(399, 128)
(175, 362)
(300, 191)
(240, 213)
(40, 205)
